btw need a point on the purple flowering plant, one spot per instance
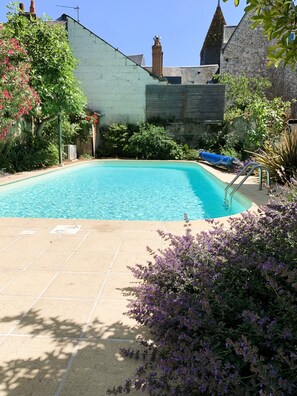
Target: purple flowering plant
(221, 308)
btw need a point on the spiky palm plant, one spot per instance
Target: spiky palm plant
(280, 157)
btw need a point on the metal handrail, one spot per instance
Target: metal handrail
(254, 166)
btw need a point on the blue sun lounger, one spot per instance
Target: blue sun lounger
(217, 159)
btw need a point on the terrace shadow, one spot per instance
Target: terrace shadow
(61, 357)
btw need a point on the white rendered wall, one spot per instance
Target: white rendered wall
(113, 84)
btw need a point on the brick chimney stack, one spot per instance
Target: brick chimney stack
(32, 7)
(31, 13)
(157, 57)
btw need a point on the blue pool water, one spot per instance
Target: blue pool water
(120, 190)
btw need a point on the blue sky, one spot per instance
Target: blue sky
(130, 25)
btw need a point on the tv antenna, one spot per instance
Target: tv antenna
(74, 8)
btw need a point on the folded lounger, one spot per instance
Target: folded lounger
(217, 159)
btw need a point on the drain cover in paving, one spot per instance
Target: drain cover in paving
(65, 229)
(27, 232)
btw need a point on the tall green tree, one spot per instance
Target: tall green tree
(279, 21)
(52, 66)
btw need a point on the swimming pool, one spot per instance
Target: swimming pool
(121, 190)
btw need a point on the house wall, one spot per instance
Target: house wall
(246, 53)
(198, 75)
(114, 84)
(191, 74)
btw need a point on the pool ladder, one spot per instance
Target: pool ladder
(254, 166)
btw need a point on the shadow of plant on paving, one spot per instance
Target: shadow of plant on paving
(50, 356)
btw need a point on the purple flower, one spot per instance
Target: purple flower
(221, 307)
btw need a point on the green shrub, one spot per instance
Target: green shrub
(211, 140)
(189, 153)
(231, 152)
(47, 155)
(73, 128)
(6, 164)
(153, 142)
(17, 155)
(251, 117)
(115, 138)
(86, 157)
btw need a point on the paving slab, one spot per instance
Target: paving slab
(56, 318)
(110, 321)
(33, 366)
(98, 366)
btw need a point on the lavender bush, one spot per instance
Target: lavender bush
(221, 309)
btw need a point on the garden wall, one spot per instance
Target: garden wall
(196, 103)
(193, 134)
(192, 113)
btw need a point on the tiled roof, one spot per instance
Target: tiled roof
(139, 59)
(215, 34)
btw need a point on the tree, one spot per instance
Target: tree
(279, 21)
(251, 118)
(52, 66)
(17, 97)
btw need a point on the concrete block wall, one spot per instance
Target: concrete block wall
(200, 103)
(114, 85)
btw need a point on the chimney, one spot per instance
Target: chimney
(32, 7)
(157, 55)
(29, 15)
